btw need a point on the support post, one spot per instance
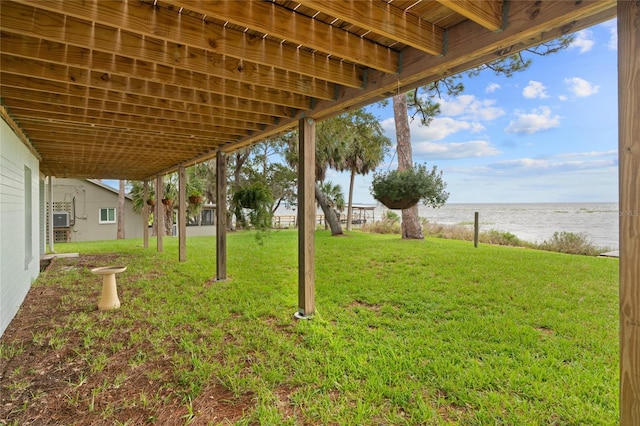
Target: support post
(159, 213)
(629, 199)
(476, 228)
(50, 212)
(221, 216)
(182, 214)
(306, 217)
(145, 214)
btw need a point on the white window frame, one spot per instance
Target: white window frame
(107, 222)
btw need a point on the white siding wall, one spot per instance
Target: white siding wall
(19, 259)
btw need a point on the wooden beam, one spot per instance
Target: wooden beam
(50, 213)
(159, 71)
(159, 212)
(88, 137)
(286, 24)
(306, 217)
(221, 216)
(173, 140)
(487, 13)
(64, 116)
(18, 131)
(169, 97)
(629, 199)
(182, 214)
(385, 19)
(110, 121)
(469, 46)
(170, 26)
(145, 214)
(142, 112)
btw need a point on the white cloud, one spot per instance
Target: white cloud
(439, 128)
(468, 107)
(581, 87)
(537, 120)
(455, 149)
(584, 41)
(537, 165)
(589, 154)
(562, 97)
(492, 87)
(612, 44)
(477, 127)
(534, 90)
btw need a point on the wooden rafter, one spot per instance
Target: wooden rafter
(111, 64)
(469, 45)
(168, 26)
(235, 72)
(125, 121)
(385, 19)
(299, 29)
(18, 131)
(487, 13)
(189, 99)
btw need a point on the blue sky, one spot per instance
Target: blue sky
(548, 134)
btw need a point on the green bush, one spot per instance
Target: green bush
(572, 243)
(393, 216)
(494, 236)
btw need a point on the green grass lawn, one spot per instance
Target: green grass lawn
(406, 332)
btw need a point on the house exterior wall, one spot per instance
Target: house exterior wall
(20, 243)
(89, 198)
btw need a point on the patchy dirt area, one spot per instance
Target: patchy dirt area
(53, 373)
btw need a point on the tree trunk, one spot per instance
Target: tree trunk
(329, 214)
(411, 228)
(241, 158)
(168, 218)
(350, 205)
(120, 233)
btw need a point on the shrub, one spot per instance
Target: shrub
(393, 216)
(571, 243)
(494, 236)
(450, 232)
(385, 226)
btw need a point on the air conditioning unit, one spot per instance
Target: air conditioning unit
(60, 219)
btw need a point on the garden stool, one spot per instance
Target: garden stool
(109, 298)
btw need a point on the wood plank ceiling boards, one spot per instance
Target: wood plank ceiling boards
(129, 89)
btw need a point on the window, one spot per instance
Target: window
(108, 215)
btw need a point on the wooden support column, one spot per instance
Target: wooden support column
(629, 198)
(159, 212)
(306, 217)
(145, 214)
(50, 213)
(182, 214)
(221, 216)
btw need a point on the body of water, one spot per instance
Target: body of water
(532, 222)
(535, 222)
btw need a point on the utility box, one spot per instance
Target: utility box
(60, 219)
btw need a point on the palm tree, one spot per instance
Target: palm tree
(365, 151)
(333, 198)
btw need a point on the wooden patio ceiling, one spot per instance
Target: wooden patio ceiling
(132, 89)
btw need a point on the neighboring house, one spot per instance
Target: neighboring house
(86, 210)
(21, 224)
